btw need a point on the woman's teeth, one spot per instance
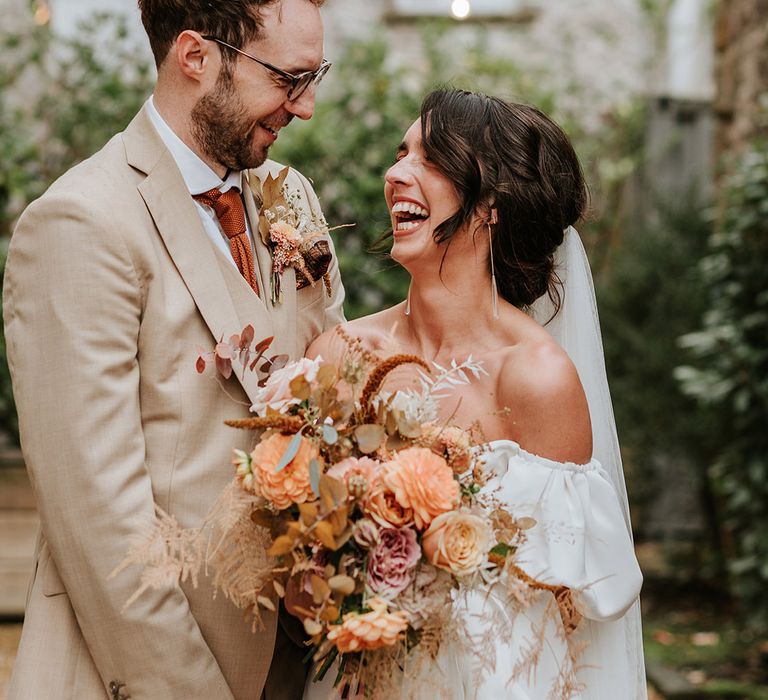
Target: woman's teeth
(409, 215)
(410, 208)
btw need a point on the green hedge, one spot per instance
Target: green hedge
(728, 372)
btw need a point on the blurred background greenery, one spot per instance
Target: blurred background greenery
(679, 253)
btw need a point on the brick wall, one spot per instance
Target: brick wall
(742, 70)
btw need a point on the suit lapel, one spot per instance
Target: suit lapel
(284, 316)
(223, 306)
(262, 255)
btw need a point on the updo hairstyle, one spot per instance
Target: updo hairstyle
(513, 158)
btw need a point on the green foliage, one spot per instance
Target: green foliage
(62, 100)
(729, 371)
(649, 297)
(714, 646)
(9, 422)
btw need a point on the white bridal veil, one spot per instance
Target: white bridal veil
(576, 327)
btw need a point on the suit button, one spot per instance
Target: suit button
(115, 688)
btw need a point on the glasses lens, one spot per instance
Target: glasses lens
(301, 85)
(321, 72)
(307, 79)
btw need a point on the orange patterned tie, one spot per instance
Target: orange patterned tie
(231, 214)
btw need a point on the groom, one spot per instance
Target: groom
(116, 277)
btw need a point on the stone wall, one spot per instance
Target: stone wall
(742, 70)
(595, 53)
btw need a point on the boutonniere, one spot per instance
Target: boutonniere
(295, 238)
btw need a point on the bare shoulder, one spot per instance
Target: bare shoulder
(549, 411)
(376, 332)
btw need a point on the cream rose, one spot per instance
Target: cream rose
(458, 541)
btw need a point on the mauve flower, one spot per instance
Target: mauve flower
(276, 393)
(423, 482)
(458, 542)
(391, 562)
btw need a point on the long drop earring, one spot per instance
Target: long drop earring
(408, 302)
(494, 288)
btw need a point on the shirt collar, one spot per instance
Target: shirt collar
(197, 174)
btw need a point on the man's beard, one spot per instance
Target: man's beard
(222, 128)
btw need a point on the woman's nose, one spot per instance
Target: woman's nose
(399, 173)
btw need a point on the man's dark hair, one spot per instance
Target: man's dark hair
(237, 22)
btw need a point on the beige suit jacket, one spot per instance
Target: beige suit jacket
(111, 288)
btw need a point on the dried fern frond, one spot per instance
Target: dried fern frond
(237, 550)
(168, 553)
(285, 424)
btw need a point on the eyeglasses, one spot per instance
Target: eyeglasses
(298, 83)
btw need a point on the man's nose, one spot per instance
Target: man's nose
(304, 105)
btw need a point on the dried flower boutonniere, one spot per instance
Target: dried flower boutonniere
(294, 237)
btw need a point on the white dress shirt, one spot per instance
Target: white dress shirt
(199, 178)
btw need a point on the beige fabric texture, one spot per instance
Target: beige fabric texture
(111, 287)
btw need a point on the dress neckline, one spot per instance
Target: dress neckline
(510, 446)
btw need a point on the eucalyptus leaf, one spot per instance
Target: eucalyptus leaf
(330, 434)
(314, 477)
(290, 452)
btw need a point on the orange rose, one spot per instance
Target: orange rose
(423, 482)
(372, 630)
(382, 505)
(457, 542)
(291, 484)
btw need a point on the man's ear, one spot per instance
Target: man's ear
(193, 55)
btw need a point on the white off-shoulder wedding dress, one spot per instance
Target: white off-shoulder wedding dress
(580, 541)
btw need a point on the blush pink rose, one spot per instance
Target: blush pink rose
(364, 467)
(276, 393)
(392, 561)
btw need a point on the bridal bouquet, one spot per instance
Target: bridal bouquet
(357, 510)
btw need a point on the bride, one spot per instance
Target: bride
(482, 196)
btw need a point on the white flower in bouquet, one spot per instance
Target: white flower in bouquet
(276, 393)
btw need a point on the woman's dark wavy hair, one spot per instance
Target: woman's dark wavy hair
(514, 158)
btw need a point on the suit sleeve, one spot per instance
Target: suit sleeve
(73, 308)
(334, 305)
